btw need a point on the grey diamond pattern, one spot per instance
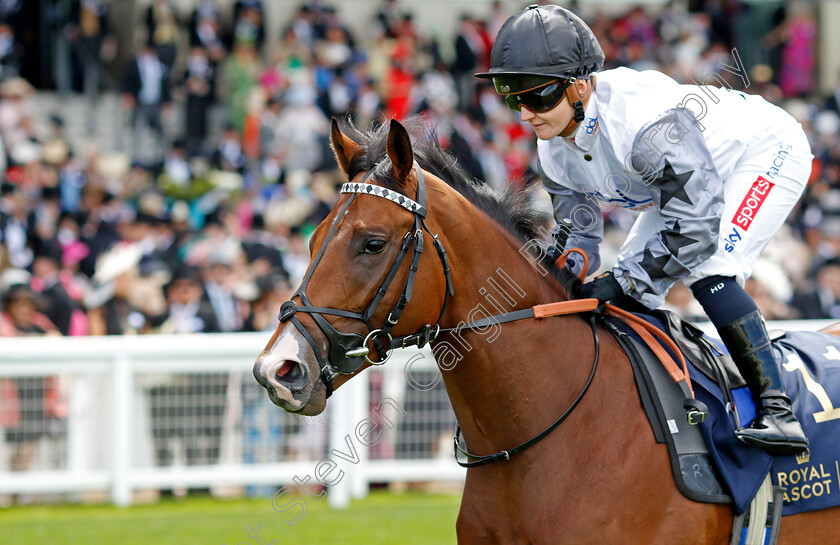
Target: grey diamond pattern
(392, 196)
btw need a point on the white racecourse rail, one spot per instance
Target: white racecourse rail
(136, 413)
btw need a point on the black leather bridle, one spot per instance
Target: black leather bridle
(348, 352)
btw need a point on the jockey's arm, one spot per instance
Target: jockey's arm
(673, 158)
(587, 221)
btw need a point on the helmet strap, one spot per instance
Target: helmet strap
(576, 100)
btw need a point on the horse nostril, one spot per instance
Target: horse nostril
(284, 369)
(290, 375)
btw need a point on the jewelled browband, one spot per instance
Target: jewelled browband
(390, 194)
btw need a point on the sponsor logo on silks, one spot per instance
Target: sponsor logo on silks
(779, 160)
(505, 88)
(591, 125)
(732, 239)
(746, 212)
(622, 200)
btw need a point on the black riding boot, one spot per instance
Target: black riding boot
(775, 429)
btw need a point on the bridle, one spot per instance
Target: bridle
(348, 352)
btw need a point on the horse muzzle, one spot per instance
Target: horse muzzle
(282, 370)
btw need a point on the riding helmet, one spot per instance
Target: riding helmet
(541, 43)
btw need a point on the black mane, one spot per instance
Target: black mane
(509, 208)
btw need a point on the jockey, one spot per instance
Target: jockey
(712, 172)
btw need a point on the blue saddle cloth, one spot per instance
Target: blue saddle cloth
(811, 373)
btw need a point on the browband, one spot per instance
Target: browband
(390, 194)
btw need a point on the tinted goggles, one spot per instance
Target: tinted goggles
(540, 99)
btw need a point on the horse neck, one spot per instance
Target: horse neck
(495, 375)
(490, 266)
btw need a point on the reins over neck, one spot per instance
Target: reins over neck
(645, 330)
(479, 460)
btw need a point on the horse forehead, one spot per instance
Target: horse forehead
(370, 221)
(373, 211)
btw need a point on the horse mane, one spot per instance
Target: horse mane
(510, 208)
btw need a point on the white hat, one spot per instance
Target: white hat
(120, 259)
(12, 277)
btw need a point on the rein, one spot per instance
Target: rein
(478, 461)
(645, 330)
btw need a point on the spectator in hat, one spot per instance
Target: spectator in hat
(273, 290)
(60, 298)
(219, 282)
(26, 403)
(228, 155)
(20, 316)
(111, 307)
(302, 130)
(176, 170)
(470, 49)
(187, 311)
(261, 251)
(241, 70)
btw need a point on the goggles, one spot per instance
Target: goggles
(538, 99)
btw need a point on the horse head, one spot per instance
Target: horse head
(367, 261)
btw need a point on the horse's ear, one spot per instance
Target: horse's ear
(344, 148)
(399, 150)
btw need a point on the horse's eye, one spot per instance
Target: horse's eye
(374, 246)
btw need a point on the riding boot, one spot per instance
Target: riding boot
(775, 428)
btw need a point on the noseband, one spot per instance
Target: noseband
(348, 352)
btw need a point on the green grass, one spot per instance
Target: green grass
(381, 518)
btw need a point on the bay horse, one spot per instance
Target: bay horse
(598, 478)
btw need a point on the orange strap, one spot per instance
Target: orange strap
(646, 331)
(561, 261)
(565, 307)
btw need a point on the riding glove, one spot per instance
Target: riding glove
(603, 287)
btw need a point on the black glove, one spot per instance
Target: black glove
(559, 237)
(603, 288)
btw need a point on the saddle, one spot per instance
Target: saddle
(692, 463)
(708, 462)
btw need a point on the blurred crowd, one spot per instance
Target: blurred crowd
(204, 228)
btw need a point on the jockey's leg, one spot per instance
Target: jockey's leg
(742, 330)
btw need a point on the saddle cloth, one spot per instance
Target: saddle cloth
(709, 463)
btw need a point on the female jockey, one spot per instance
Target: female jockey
(712, 172)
